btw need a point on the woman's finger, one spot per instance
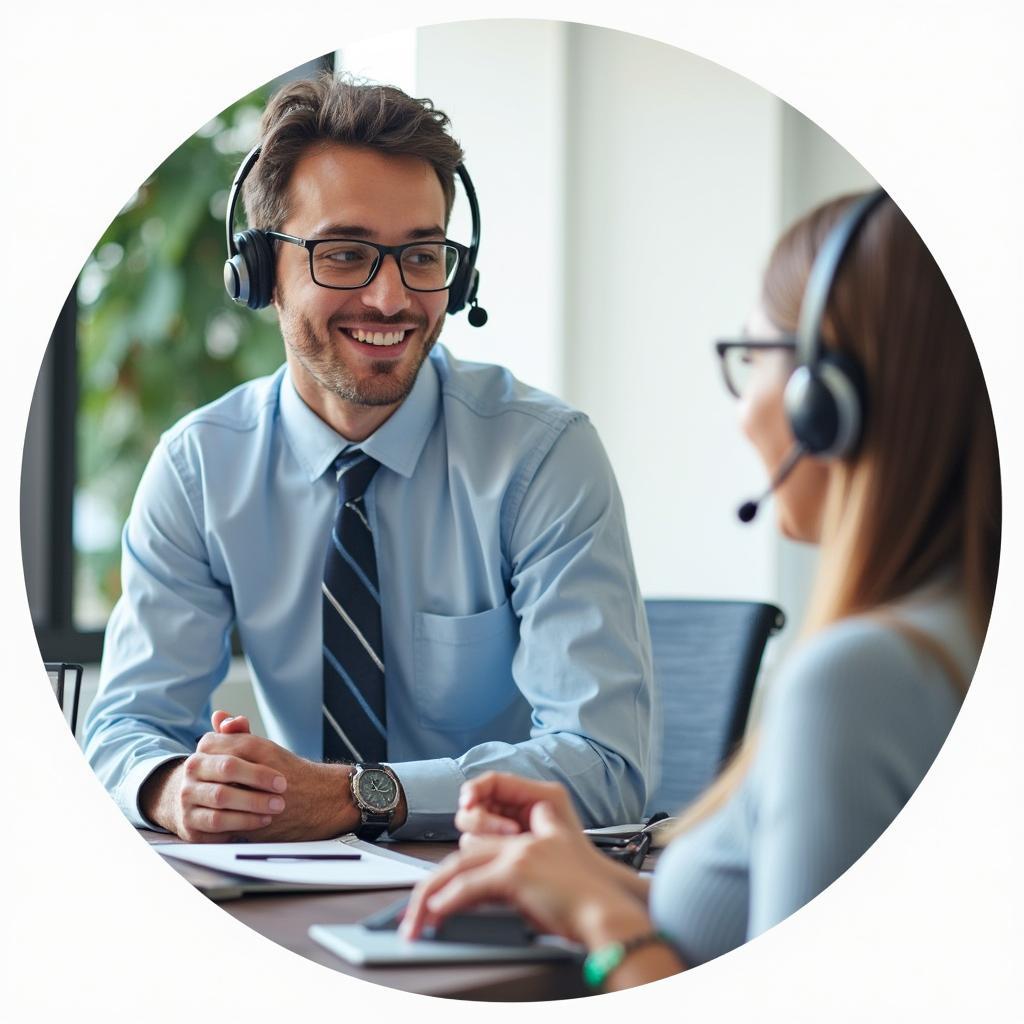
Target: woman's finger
(492, 880)
(470, 842)
(415, 913)
(481, 821)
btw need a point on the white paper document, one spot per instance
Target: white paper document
(375, 869)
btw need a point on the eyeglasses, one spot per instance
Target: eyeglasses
(346, 263)
(744, 359)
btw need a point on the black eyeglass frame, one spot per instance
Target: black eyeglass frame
(788, 342)
(309, 244)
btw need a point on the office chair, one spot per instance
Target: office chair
(706, 658)
(58, 671)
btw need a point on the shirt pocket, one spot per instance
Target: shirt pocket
(463, 666)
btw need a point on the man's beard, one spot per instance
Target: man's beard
(390, 381)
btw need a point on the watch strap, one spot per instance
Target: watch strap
(372, 826)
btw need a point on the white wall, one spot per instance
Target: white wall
(674, 184)
(630, 194)
(654, 184)
(503, 85)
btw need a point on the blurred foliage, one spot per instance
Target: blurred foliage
(158, 336)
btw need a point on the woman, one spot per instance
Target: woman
(908, 520)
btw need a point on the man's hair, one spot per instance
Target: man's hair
(330, 109)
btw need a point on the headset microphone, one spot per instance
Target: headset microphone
(748, 509)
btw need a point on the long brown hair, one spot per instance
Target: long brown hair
(922, 492)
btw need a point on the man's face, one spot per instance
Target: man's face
(349, 192)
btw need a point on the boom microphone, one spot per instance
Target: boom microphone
(748, 509)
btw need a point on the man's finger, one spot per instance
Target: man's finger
(252, 748)
(205, 819)
(234, 771)
(217, 796)
(225, 723)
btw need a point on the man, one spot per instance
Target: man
(474, 536)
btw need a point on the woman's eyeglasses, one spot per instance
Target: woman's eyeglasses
(744, 359)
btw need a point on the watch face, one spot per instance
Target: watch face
(377, 790)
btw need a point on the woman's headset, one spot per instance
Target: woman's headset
(249, 268)
(825, 397)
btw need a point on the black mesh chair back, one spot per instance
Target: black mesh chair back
(706, 658)
(66, 680)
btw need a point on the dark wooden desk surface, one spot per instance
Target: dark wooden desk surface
(286, 919)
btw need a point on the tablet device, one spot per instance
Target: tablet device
(366, 947)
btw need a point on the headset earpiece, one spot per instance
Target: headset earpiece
(825, 406)
(249, 274)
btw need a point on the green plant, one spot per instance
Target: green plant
(157, 336)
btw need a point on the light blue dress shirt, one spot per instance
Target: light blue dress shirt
(514, 632)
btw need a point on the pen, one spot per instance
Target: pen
(297, 856)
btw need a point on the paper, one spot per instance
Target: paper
(373, 870)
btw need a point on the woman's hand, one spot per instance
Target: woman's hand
(497, 803)
(552, 875)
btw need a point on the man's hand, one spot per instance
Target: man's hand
(497, 803)
(227, 724)
(233, 786)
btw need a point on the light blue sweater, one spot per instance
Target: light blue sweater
(850, 726)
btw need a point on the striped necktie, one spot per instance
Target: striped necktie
(355, 720)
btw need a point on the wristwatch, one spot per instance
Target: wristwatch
(375, 791)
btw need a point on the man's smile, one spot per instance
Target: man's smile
(381, 341)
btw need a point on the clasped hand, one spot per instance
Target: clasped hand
(237, 784)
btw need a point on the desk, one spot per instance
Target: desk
(286, 920)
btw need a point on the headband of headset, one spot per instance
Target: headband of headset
(826, 397)
(823, 274)
(249, 268)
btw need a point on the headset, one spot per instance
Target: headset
(249, 268)
(826, 396)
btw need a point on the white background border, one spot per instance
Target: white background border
(927, 96)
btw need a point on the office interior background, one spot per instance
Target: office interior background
(630, 193)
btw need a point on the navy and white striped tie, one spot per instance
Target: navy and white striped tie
(355, 719)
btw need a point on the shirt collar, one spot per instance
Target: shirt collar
(397, 443)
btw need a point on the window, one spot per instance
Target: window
(146, 335)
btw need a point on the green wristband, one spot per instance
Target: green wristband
(601, 962)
